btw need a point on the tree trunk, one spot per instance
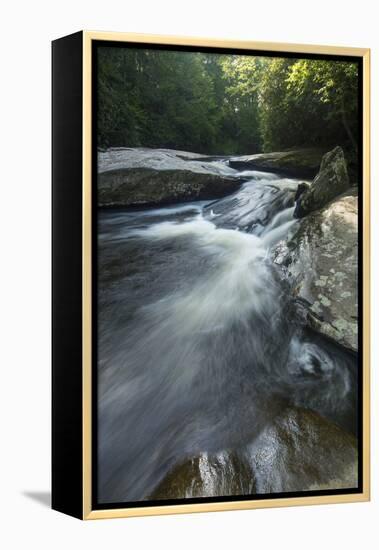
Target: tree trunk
(347, 127)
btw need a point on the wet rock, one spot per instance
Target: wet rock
(253, 207)
(222, 474)
(331, 181)
(137, 177)
(301, 163)
(298, 451)
(301, 188)
(320, 263)
(301, 451)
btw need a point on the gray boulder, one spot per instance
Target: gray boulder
(300, 163)
(298, 451)
(331, 181)
(118, 158)
(320, 264)
(142, 177)
(145, 187)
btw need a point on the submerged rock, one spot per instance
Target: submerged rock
(254, 206)
(320, 263)
(298, 451)
(137, 177)
(331, 181)
(302, 163)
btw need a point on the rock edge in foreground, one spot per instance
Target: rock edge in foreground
(298, 451)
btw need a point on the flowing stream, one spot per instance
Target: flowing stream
(199, 344)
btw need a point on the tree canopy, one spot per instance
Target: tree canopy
(224, 104)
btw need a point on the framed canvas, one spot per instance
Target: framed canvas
(210, 275)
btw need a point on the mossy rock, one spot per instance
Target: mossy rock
(300, 163)
(331, 181)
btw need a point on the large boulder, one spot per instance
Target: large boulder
(331, 181)
(320, 264)
(116, 158)
(142, 177)
(298, 451)
(145, 187)
(300, 163)
(302, 451)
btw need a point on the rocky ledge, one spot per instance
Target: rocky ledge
(300, 163)
(144, 177)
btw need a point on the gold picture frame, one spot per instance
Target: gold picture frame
(84, 509)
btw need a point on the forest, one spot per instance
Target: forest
(225, 104)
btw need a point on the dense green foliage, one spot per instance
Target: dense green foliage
(309, 102)
(219, 104)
